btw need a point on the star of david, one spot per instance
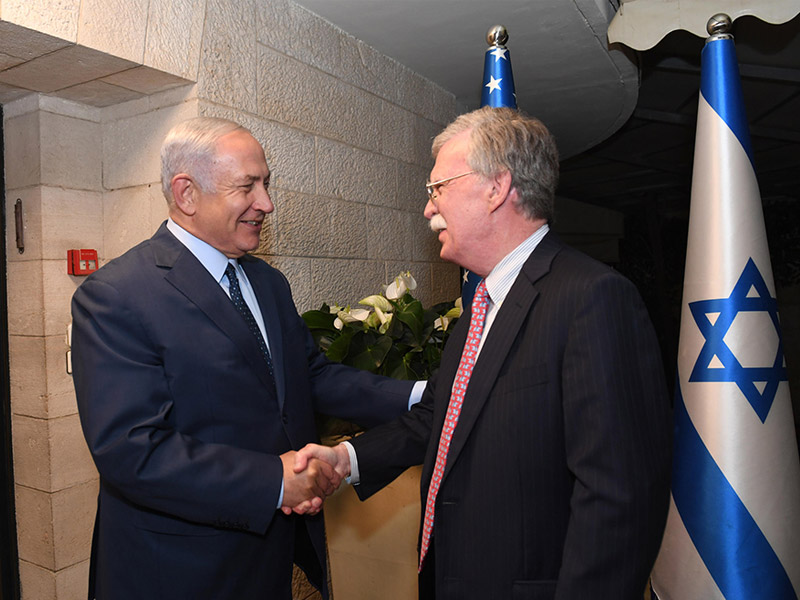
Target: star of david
(717, 362)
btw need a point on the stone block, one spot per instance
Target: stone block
(36, 27)
(70, 461)
(128, 218)
(37, 583)
(72, 152)
(34, 526)
(57, 295)
(348, 230)
(68, 108)
(10, 93)
(7, 61)
(298, 272)
(25, 298)
(73, 520)
(31, 444)
(71, 219)
(31, 207)
(60, 396)
(306, 98)
(426, 246)
(116, 27)
(389, 234)
(364, 67)
(64, 68)
(290, 155)
(98, 93)
(445, 282)
(145, 80)
(411, 179)
(355, 175)
(287, 27)
(23, 163)
(303, 225)
(342, 281)
(174, 36)
(73, 581)
(228, 54)
(131, 145)
(396, 134)
(27, 376)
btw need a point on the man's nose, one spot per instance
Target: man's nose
(263, 201)
(430, 209)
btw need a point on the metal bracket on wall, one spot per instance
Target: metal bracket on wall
(20, 225)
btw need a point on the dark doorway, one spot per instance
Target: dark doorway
(9, 570)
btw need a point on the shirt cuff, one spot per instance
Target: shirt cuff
(355, 477)
(280, 497)
(416, 393)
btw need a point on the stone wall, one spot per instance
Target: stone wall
(89, 89)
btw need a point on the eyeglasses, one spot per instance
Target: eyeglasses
(433, 187)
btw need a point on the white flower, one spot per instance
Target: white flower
(349, 315)
(402, 283)
(378, 302)
(441, 323)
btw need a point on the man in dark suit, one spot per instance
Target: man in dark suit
(196, 379)
(546, 460)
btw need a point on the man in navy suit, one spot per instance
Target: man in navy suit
(549, 476)
(192, 403)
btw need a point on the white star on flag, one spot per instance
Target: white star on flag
(494, 84)
(499, 53)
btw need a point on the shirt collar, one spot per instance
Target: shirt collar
(212, 259)
(502, 277)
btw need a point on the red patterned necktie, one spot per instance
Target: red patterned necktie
(480, 302)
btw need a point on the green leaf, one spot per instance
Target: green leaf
(340, 347)
(372, 356)
(317, 319)
(413, 316)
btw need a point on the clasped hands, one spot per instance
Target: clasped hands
(312, 474)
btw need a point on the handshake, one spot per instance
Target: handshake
(310, 475)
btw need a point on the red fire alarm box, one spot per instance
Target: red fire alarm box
(81, 262)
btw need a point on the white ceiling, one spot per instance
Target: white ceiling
(564, 72)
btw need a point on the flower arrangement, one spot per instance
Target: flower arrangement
(395, 336)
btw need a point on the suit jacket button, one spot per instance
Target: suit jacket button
(285, 418)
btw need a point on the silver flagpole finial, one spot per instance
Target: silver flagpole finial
(719, 26)
(497, 36)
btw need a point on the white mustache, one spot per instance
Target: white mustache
(437, 223)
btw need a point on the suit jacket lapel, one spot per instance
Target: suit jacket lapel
(505, 329)
(190, 278)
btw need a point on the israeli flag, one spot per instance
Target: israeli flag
(733, 530)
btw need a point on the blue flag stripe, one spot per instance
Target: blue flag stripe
(720, 86)
(736, 553)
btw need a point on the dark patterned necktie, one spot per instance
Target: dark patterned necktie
(244, 310)
(469, 354)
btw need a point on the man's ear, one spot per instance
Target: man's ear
(184, 192)
(500, 190)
